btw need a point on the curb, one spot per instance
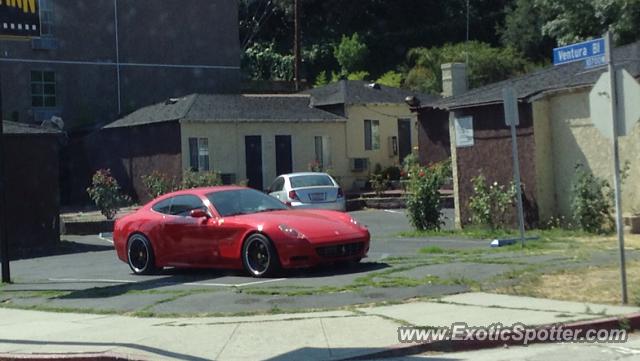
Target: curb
(84, 228)
(104, 356)
(401, 350)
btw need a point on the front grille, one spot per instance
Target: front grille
(340, 250)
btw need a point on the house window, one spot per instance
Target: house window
(43, 88)
(46, 17)
(371, 134)
(199, 154)
(322, 151)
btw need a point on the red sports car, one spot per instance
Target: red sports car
(234, 227)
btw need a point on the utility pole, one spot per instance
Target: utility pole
(4, 242)
(296, 44)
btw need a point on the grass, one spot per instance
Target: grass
(591, 284)
(477, 232)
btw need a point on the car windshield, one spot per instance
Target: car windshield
(243, 201)
(311, 180)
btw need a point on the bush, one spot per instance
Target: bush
(423, 199)
(105, 193)
(191, 179)
(592, 202)
(157, 184)
(392, 173)
(490, 204)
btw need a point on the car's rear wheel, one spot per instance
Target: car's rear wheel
(259, 257)
(140, 255)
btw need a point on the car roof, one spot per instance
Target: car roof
(303, 173)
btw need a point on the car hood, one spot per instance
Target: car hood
(314, 224)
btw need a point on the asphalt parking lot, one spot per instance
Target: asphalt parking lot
(93, 279)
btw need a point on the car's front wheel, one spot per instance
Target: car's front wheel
(259, 257)
(140, 255)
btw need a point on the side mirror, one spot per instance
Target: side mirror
(199, 213)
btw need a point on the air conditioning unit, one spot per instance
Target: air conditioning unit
(359, 164)
(393, 146)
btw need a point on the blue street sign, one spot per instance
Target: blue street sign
(595, 61)
(579, 51)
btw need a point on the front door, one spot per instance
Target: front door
(404, 138)
(253, 160)
(284, 158)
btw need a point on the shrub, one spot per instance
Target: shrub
(423, 199)
(191, 179)
(105, 193)
(379, 183)
(591, 202)
(157, 184)
(392, 173)
(490, 204)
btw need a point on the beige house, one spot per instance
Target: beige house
(258, 137)
(556, 133)
(380, 128)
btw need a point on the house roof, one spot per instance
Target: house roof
(361, 92)
(13, 128)
(228, 107)
(549, 79)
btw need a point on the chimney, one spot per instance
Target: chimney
(454, 79)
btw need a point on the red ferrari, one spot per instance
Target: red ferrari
(234, 227)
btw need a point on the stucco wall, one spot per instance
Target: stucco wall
(544, 151)
(388, 115)
(575, 140)
(227, 147)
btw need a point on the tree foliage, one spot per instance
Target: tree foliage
(262, 62)
(486, 64)
(532, 26)
(351, 53)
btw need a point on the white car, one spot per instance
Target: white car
(308, 190)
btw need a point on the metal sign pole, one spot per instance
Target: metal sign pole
(616, 164)
(512, 118)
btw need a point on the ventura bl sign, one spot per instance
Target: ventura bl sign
(592, 49)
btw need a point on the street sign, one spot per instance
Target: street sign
(19, 18)
(628, 104)
(464, 131)
(580, 51)
(510, 106)
(511, 117)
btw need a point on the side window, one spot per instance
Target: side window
(182, 205)
(277, 185)
(163, 206)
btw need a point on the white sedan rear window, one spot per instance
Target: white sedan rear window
(302, 181)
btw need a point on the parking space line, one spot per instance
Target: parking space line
(392, 211)
(209, 284)
(232, 284)
(101, 236)
(96, 280)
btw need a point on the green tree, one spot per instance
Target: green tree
(390, 78)
(262, 62)
(486, 64)
(351, 53)
(523, 30)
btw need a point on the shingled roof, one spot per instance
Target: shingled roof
(362, 92)
(229, 107)
(13, 128)
(550, 79)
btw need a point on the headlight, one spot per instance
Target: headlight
(291, 232)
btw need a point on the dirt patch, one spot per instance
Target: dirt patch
(592, 284)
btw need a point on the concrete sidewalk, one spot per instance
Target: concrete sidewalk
(309, 336)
